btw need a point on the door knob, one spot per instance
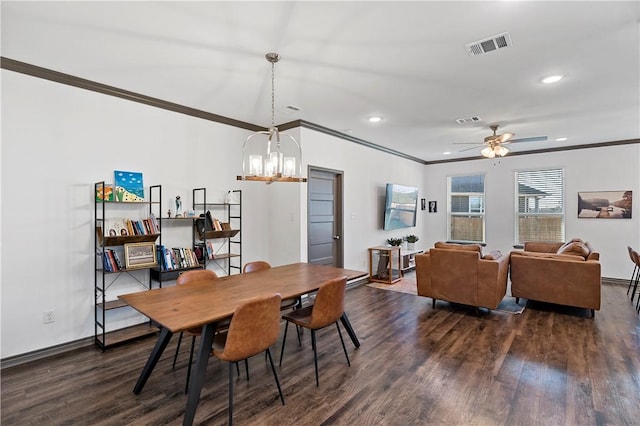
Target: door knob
(336, 237)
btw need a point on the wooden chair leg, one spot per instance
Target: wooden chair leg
(344, 348)
(315, 354)
(633, 279)
(284, 339)
(433, 303)
(275, 375)
(186, 387)
(175, 357)
(230, 394)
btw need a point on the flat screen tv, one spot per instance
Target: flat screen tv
(400, 206)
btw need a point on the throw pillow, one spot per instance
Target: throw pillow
(575, 248)
(492, 255)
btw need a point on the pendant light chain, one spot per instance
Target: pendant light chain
(273, 94)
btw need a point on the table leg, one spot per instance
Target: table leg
(197, 378)
(347, 325)
(161, 344)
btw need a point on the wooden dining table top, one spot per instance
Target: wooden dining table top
(182, 307)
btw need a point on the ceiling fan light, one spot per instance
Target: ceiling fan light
(501, 151)
(488, 152)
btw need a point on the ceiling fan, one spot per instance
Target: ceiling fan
(494, 144)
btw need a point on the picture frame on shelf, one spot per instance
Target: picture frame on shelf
(129, 186)
(140, 255)
(104, 192)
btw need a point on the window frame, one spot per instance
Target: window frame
(470, 213)
(528, 212)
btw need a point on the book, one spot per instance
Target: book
(209, 226)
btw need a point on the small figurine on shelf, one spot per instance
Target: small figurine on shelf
(169, 213)
(178, 206)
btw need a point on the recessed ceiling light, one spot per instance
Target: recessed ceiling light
(561, 139)
(552, 79)
(446, 153)
(375, 119)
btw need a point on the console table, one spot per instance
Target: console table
(384, 264)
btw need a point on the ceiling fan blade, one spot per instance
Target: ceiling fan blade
(504, 137)
(468, 143)
(469, 149)
(533, 139)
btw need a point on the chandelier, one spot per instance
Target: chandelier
(494, 150)
(271, 156)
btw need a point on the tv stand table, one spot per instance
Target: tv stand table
(384, 264)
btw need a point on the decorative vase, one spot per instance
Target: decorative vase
(411, 246)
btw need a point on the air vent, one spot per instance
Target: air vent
(294, 108)
(490, 44)
(473, 119)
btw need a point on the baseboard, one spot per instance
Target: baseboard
(614, 281)
(45, 353)
(357, 283)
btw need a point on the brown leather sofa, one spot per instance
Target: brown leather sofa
(461, 274)
(562, 273)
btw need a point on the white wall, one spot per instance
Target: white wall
(58, 140)
(366, 172)
(595, 169)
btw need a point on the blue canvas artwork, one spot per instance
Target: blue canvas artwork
(129, 186)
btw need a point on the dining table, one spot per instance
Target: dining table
(204, 303)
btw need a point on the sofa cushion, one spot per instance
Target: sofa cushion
(492, 255)
(575, 247)
(454, 246)
(556, 256)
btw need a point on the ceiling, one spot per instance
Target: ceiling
(342, 62)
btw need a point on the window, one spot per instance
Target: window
(466, 208)
(540, 205)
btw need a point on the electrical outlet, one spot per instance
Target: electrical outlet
(48, 317)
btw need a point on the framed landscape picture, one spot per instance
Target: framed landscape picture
(605, 204)
(140, 255)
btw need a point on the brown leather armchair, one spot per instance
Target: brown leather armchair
(562, 273)
(461, 274)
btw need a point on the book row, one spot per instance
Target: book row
(128, 227)
(112, 261)
(176, 258)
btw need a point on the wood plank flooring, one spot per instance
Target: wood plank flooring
(416, 366)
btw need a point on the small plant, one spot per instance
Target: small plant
(394, 241)
(411, 238)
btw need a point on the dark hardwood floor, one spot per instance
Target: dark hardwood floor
(416, 366)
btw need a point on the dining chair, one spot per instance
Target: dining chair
(261, 265)
(254, 327)
(636, 271)
(184, 279)
(327, 309)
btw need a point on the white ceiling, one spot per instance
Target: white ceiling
(345, 61)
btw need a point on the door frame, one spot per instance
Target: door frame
(338, 219)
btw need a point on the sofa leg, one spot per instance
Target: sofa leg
(433, 303)
(517, 300)
(593, 313)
